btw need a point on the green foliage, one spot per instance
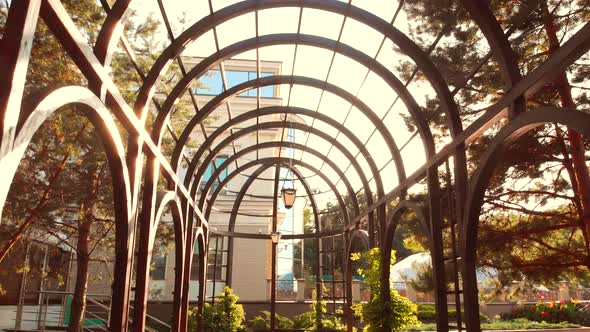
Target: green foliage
(224, 315)
(393, 315)
(517, 324)
(427, 313)
(262, 322)
(552, 312)
(532, 214)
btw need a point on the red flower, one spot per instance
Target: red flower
(532, 307)
(543, 314)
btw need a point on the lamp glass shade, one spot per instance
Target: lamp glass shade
(275, 237)
(288, 195)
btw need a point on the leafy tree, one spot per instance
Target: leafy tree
(534, 224)
(62, 190)
(377, 314)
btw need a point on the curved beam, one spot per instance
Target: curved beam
(491, 29)
(146, 244)
(111, 31)
(274, 80)
(233, 217)
(358, 236)
(286, 161)
(252, 148)
(238, 203)
(519, 126)
(281, 39)
(253, 177)
(406, 45)
(286, 110)
(101, 118)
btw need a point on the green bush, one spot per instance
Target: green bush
(427, 313)
(225, 315)
(262, 322)
(517, 324)
(394, 315)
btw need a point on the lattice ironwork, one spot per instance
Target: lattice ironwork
(192, 200)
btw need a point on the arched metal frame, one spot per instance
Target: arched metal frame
(519, 126)
(102, 101)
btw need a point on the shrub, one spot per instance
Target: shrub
(225, 315)
(427, 312)
(262, 322)
(377, 314)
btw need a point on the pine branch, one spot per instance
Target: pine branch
(527, 211)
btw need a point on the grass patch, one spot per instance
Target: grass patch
(516, 324)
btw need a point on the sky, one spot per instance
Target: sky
(314, 62)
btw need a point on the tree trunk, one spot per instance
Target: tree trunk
(576, 140)
(82, 259)
(83, 250)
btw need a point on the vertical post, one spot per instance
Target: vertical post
(348, 281)
(273, 281)
(40, 316)
(22, 291)
(436, 250)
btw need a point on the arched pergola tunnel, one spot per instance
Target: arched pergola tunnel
(370, 191)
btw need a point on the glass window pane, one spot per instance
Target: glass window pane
(210, 84)
(267, 91)
(158, 268)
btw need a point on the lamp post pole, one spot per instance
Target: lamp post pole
(275, 241)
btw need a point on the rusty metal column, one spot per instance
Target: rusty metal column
(273, 274)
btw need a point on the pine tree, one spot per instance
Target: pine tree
(537, 205)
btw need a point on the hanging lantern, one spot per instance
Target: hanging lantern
(275, 237)
(288, 195)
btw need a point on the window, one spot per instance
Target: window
(209, 172)
(217, 262)
(158, 268)
(212, 84)
(195, 265)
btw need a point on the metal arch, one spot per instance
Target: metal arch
(283, 110)
(280, 109)
(111, 31)
(65, 31)
(162, 116)
(267, 163)
(400, 39)
(286, 161)
(575, 47)
(519, 126)
(233, 216)
(46, 105)
(358, 235)
(248, 184)
(201, 238)
(433, 229)
(101, 118)
(502, 51)
(280, 39)
(147, 238)
(393, 215)
(265, 125)
(238, 202)
(16, 45)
